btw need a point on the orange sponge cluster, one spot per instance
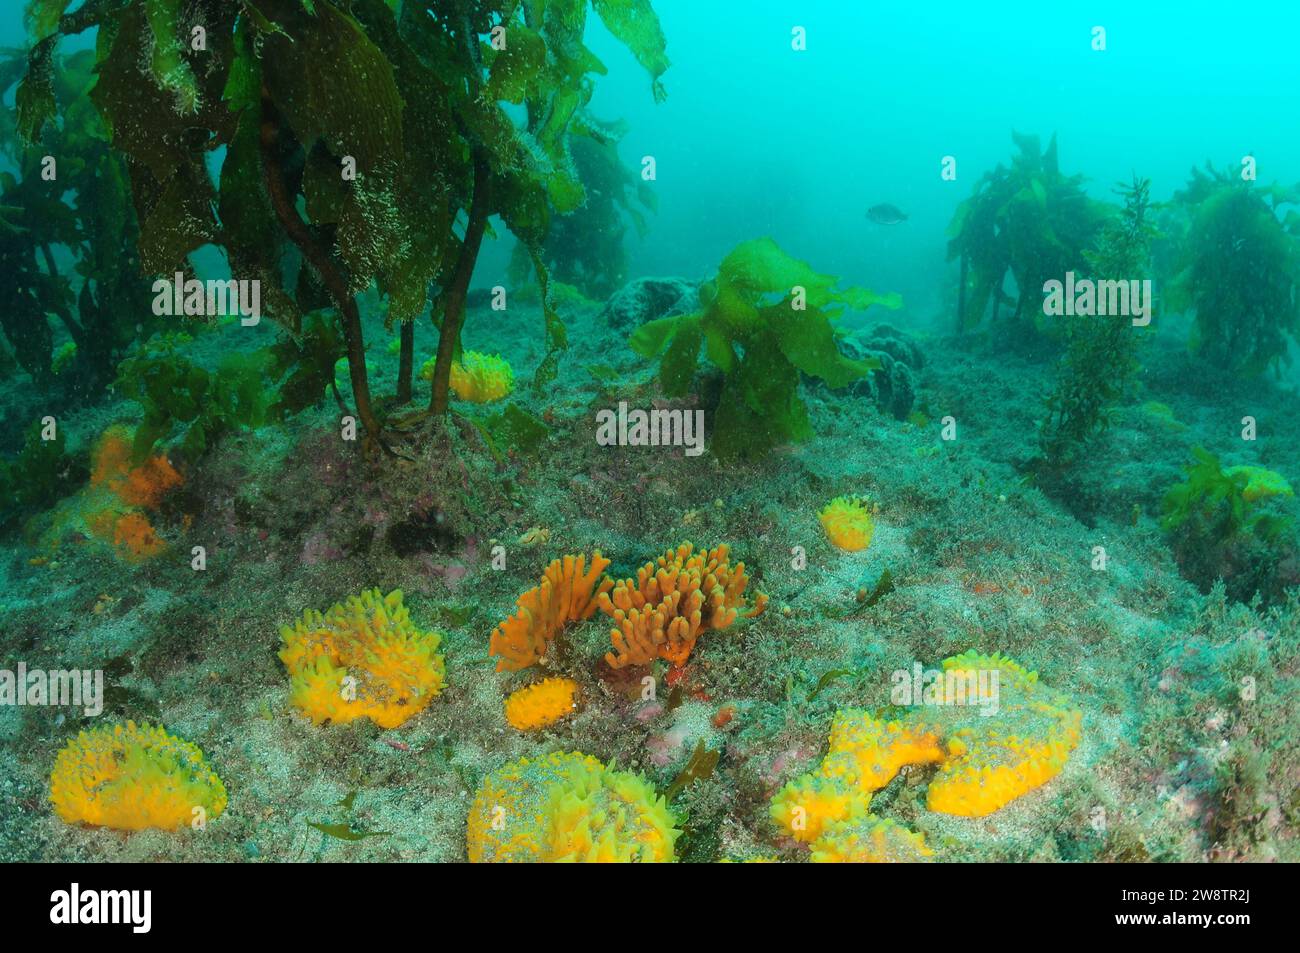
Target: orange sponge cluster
(567, 593)
(143, 484)
(128, 489)
(661, 613)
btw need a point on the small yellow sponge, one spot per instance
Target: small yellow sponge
(847, 521)
(568, 808)
(362, 659)
(476, 377)
(808, 805)
(541, 704)
(130, 778)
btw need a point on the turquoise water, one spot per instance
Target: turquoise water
(757, 138)
(754, 137)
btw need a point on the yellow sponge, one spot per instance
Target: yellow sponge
(568, 808)
(864, 838)
(480, 378)
(1259, 483)
(131, 777)
(984, 762)
(542, 704)
(808, 805)
(847, 521)
(362, 659)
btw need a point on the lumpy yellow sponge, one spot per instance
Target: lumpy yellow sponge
(362, 659)
(1259, 483)
(866, 839)
(810, 804)
(847, 521)
(542, 704)
(993, 761)
(984, 762)
(569, 808)
(864, 755)
(131, 777)
(481, 378)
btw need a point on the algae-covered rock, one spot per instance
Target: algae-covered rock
(893, 385)
(647, 299)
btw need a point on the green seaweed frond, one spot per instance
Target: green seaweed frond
(764, 319)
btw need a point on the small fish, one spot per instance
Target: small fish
(886, 214)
